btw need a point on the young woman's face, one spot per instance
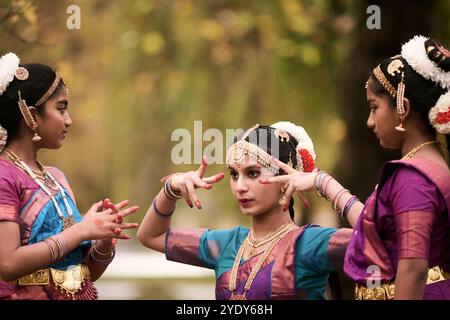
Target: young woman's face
(383, 119)
(253, 197)
(54, 121)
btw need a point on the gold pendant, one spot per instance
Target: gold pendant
(237, 296)
(68, 222)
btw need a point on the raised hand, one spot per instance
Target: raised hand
(294, 181)
(187, 182)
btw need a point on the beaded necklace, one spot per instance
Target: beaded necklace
(67, 222)
(233, 277)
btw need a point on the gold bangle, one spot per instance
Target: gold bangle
(94, 246)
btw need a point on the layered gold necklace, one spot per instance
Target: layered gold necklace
(256, 243)
(44, 179)
(272, 239)
(411, 153)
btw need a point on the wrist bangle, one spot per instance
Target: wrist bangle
(94, 247)
(168, 191)
(102, 262)
(324, 193)
(336, 198)
(348, 205)
(159, 213)
(317, 183)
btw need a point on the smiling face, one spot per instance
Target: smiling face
(253, 197)
(383, 119)
(54, 121)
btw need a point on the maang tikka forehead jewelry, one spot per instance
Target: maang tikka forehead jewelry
(237, 152)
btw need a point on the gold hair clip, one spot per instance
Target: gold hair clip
(384, 82)
(394, 67)
(21, 73)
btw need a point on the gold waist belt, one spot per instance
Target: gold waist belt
(71, 280)
(386, 291)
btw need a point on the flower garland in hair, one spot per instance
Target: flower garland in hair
(439, 115)
(415, 54)
(3, 138)
(306, 155)
(9, 63)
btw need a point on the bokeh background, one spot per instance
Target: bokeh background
(138, 70)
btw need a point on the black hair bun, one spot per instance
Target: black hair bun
(438, 54)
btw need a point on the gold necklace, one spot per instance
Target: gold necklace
(41, 174)
(411, 153)
(256, 243)
(66, 222)
(233, 277)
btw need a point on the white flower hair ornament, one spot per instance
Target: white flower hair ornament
(415, 53)
(305, 153)
(3, 138)
(431, 60)
(439, 115)
(9, 68)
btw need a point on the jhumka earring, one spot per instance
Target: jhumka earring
(400, 104)
(283, 191)
(36, 137)
(29, 121)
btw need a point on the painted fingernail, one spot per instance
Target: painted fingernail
(220, 176)
(113, 241)
(208, 186)
(264, 181)
(198, 204)
(189, 203)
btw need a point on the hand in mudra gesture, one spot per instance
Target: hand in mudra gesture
(294, 181)
(187, 182)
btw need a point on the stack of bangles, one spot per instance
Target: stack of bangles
(323, 178)
(101, 258)
(57, 246)
(168, 191)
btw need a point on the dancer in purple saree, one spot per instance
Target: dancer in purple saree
(400, 246)
(275, 259)
(46, 247)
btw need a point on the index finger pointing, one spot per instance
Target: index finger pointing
(201, 170)
(279, 179)
(214, 179)
(286, 168)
